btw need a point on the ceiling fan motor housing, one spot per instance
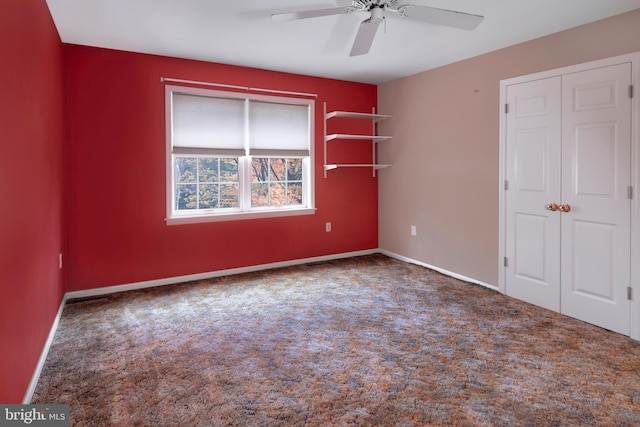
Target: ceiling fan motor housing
(373, 4)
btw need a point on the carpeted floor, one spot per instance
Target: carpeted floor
(361, 341)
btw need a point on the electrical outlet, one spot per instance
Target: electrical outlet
(414, 232)
(327, 227)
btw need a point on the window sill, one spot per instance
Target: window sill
(237, 216)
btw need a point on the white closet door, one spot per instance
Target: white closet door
(533, 174)
(596, 165)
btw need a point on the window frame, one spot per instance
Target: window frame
(244, 210)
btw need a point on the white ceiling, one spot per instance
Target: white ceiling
(240, 32)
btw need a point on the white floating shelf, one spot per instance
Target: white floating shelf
(376, 138)
(373, 138)
(352, 115)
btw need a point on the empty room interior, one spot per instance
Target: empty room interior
(369, 212)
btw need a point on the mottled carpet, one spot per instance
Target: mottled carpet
(361, 341)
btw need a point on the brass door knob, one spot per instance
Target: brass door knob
(565, 208)
(552, 207)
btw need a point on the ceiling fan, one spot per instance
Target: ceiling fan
(377, 8)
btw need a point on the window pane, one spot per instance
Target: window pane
(185, 169)
(229, 195)
(294, 169)
(186, 197)
(259, 169)
(200, 185)
(229, 170)
(278, 194)
(208, 196)
(208, 169)
(277, 170)
(276, 181)
(294, 194)
(259, 194)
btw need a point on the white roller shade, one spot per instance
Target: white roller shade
(207, 125)
(278, 129)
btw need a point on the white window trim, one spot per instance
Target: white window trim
(173, 218)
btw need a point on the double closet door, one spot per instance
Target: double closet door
(568, 207)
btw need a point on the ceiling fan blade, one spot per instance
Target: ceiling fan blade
(448, 18)
(305, 14)
(364, 38)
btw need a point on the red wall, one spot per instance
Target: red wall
(116, 176)
(113, 231)
(31, 124)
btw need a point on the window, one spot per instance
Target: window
(235, 156)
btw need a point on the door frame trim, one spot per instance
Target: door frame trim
(634, 60)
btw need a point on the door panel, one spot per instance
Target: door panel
(530, 154)
(533, 173)
(530, 248)
(595, 150)
(593, 265)
(596, 172)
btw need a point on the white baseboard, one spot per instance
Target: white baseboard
(438, 269)
(201, 276)
(208, 275)
(43, 356)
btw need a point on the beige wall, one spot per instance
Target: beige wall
(444, 178)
